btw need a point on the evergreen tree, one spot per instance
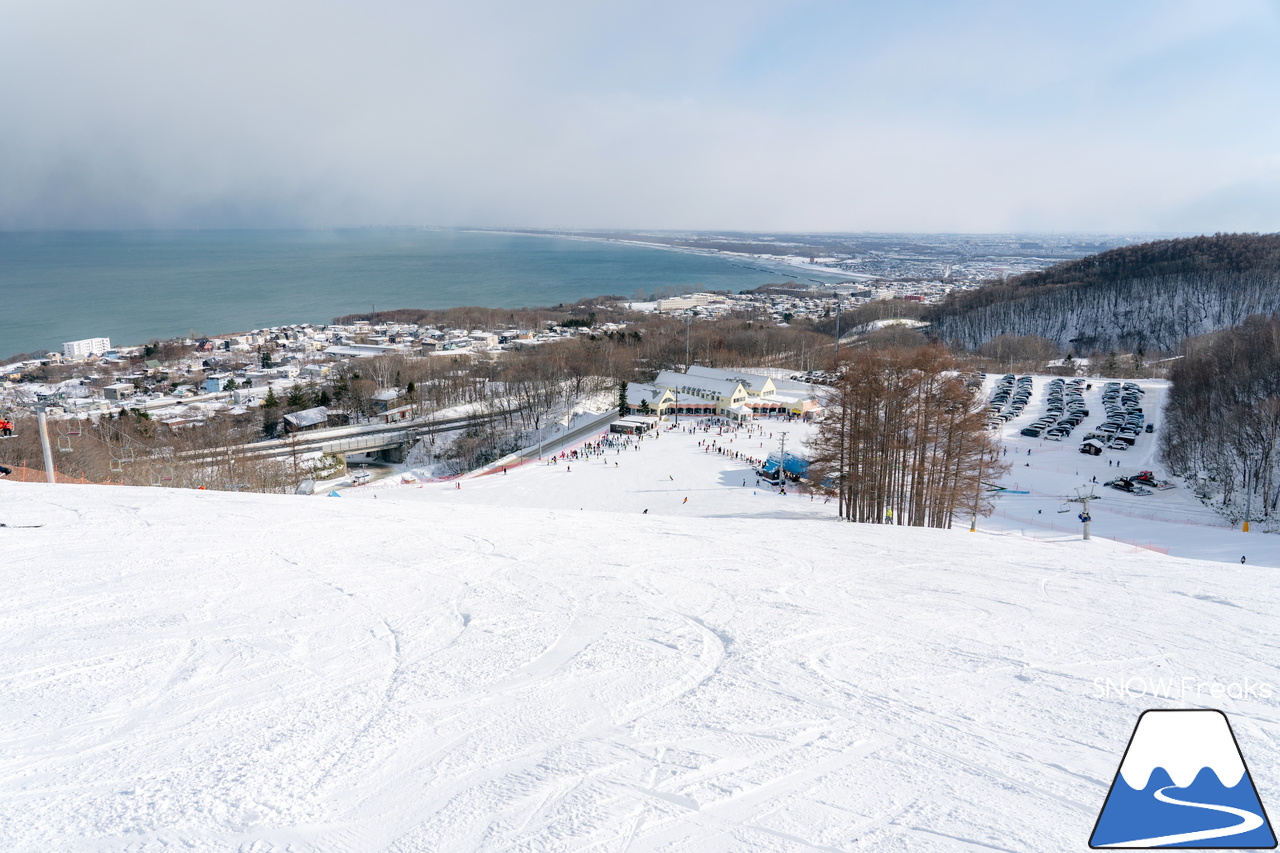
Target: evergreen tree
(229, 385)
(1111, 367)
(623, 408)
(270, 413)
(265, 358)
(297, 398)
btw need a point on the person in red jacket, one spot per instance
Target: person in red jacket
(6, 428)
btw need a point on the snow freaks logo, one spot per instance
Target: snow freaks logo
(1184, 689)
(1183, 783)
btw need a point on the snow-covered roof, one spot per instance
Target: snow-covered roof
(309, 417)
(684, 381)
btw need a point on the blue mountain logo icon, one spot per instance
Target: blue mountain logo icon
(1183, 783)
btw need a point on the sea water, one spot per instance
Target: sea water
(136, 286)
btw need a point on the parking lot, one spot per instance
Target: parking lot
(1042, 442)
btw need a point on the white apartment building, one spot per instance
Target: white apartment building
(83, 349)
(683, 303)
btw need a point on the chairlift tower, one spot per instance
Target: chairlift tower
(1085, 516)
(43, 423)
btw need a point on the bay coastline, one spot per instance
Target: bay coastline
(138, 286)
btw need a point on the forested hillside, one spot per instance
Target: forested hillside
(1149, 296)
(1222, 419)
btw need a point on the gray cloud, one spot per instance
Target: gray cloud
(713, 115)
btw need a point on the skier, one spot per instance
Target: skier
(686, 500)
(1242, 559)
(646, 512)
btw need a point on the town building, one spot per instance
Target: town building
(118, 391)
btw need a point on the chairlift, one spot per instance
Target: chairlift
(73, 427)
(64, 437)
(153, 476)
(166, 473)
(115, 466)
(126, 455)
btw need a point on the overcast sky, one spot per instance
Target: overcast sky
(833, 116)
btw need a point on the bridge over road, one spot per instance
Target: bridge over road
(391, 441)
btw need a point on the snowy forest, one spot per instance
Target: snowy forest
(1147, 297)
(1222, 418)
(904, 430)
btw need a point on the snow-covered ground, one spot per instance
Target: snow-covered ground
(530, 662)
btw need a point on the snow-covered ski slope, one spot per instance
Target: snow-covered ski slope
(212, 671)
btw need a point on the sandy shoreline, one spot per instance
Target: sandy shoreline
(773, 266)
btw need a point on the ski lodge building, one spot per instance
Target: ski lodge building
(709, 391)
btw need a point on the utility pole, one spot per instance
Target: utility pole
(44, 444)
(1248, 491)
(838, 310)
(1085, 517)
(688, 324)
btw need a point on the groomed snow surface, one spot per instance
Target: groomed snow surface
(531, 663)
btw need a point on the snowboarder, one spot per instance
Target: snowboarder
(5, 472)
(646, 512)
(1242, 559)
(686, 500)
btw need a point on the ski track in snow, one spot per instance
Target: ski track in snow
(495, 668)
